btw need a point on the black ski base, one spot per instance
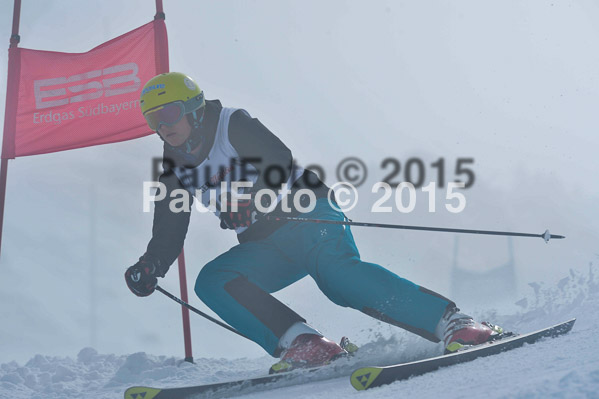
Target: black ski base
(370, 377)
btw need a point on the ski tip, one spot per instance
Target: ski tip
(363, 378)
(569, 324)
(141, 393)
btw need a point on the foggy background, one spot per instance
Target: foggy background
(514, 85)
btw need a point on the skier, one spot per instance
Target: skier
(206, 144)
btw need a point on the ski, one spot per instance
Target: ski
(370, 377)
(362, 378)
(229, 388)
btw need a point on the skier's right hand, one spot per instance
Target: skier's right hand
(141, 277)
(243, 217)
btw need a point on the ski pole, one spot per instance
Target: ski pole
(545, 236)
(188, 306)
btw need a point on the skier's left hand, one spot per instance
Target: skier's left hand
(141, 277)
(245, 214)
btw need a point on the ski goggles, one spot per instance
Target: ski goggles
(171, 113)
(167, 115)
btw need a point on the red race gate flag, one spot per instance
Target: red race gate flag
(61, 101)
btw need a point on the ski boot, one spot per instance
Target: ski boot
(312, 350)
(462, 332)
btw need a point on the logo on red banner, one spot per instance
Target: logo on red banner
(65, 101)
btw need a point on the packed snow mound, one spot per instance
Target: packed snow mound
(547, 305)
(107, 376)
(567, 367)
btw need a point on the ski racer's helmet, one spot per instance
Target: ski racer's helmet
(167, 97)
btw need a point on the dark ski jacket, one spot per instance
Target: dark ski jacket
(252, 140)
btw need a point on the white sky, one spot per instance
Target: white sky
(514, 85)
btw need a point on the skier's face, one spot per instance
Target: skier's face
(177, 134)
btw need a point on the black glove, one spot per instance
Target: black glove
(141, 277)
(245, 215)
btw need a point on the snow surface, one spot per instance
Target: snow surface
(564, 367)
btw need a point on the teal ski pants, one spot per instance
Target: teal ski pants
(237, 284)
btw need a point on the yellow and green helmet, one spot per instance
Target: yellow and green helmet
(167, 97)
